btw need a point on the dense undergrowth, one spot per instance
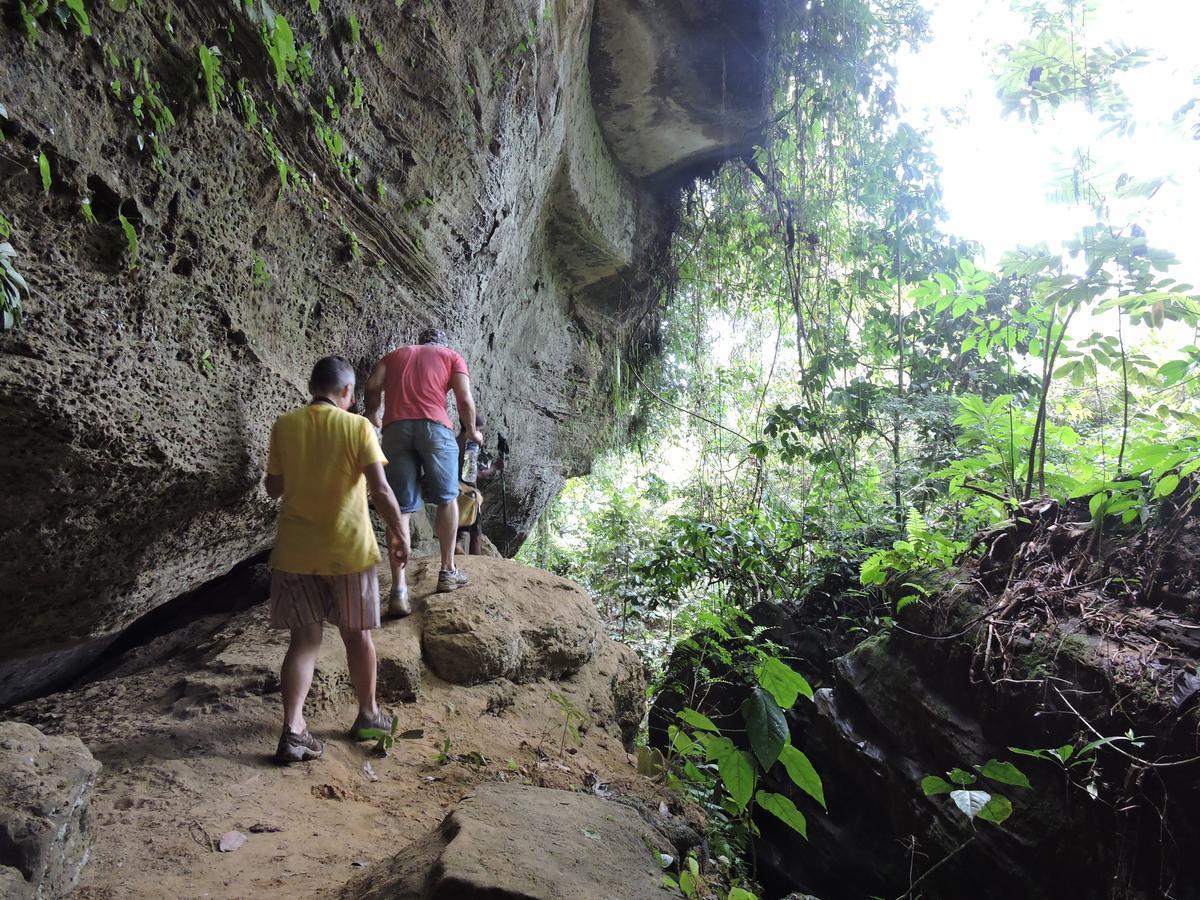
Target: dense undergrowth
(851, 402)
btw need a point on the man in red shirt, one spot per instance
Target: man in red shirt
(406, 394)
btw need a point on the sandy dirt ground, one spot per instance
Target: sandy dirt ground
(186, 726)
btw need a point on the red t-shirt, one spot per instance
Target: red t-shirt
(417, 380)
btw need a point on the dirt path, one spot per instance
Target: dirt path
(186, 743)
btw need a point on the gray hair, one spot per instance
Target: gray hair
(330, 375)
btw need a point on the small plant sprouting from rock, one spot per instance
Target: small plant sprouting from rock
(281, 46)
(85, 207)
(210, 70)
(65, 11)
(973, 802)
(14, 287)
(6, 228)
(131, 240)
(262, 278)
(353, 29)
(246, 104)
(286, 173)
(572, 719)
(44, 169)
(352, 246)
(472, 758)
(205, 364)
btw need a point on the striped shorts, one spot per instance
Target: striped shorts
(348, 601)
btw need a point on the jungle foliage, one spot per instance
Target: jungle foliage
(848, 392)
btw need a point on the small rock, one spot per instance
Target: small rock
(230, 841)
(261, 828)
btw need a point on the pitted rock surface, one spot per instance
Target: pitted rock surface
(45, 824)
(482, 197)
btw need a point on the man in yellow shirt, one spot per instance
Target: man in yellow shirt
(324, 565)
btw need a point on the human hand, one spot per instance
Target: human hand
(477, 436)
(398, 548)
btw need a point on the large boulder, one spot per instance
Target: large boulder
(512, 842)
(45, 823)
(515, 623)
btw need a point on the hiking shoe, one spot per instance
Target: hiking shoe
(398, 605)
(297, 747)
(380, 720)
(452, 580)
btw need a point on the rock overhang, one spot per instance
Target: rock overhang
(679, 85)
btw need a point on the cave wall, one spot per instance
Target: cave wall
(474, 188)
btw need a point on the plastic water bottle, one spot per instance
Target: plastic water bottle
(470, 468)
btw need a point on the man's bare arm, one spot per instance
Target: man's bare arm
(465, 401)
(274, 485)
(374, 391)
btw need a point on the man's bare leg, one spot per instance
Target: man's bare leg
(296, 675)
(447, 532)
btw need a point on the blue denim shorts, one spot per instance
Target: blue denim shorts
(422, 462)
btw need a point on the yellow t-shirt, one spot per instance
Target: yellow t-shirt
(324, 528)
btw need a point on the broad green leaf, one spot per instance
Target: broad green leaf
(682, 743)
(1166, 485)
(44, 169)
(697, 720)
(970, 802)
(784, 683)
(765, 726)
(1064, 752)
(81, 16)
(1172, 371)
(1003, 772)
(737, 773)
(411, 735)
(716, 746)
(996, 810)
(783, 809)
(932, 785)
(802, 773)
(1036, 754)
(740, 894)
(961, 777)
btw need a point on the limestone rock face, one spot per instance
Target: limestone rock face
(506, 842)
(514, 623)
(438, 163)
(45, 825)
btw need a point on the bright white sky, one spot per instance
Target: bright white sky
(996, 170)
